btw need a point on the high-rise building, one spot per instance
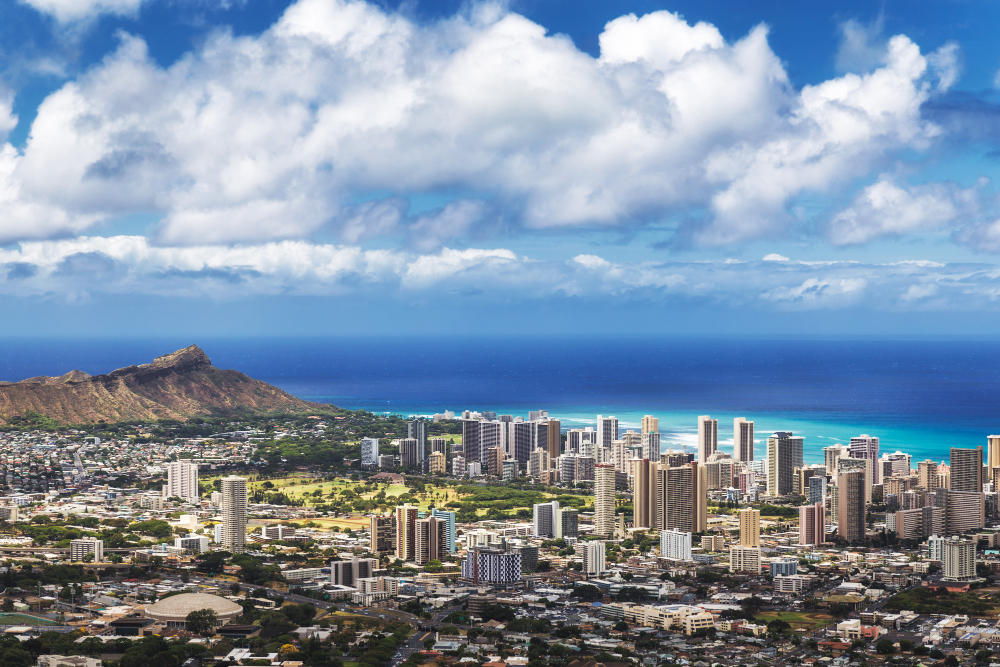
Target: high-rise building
(494, 461)
(966, 469)
(494, 434)
(851, 505)
(569, 522)
(644, 494)
(182, 481)
(935, 548)
(545, 518)
(492, 566)
(831, 454)
(812, 524)
(675, 544)
(581, 441)
(607, 431)
(553, 440)
(409, 455)
(431, 539)
(866, 447)
(801, 477)
(847, 463)
(927, 475)
(234, 514)
(749, 527)
(651, 446)
(538, 463)
(470, 440)
(784, 455)
(347, 572)
(708, 437)
(719, 470)
(744, 559)
(437, 464)
(382, 535)
(917, 523)
(894, 464)
(742, 440)
(449, 520)
(369, 452)
(965, 511)
(593, 558)
(604, 500)
(417, 429)
(650, 424)
(817, 490)
(437, 445)
(959, 559)
(992, 458)
(79, 549)
(527, 437)
(681, 498)
(406, 532)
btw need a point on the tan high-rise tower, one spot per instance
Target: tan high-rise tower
(851, 505)
(749, 527)
(992, 455)
(742, 440)
(681, 498)
(234, 514)
(644, 494)
(927, 475)
(966, 469)
(708, 437)
(650, 424)
(553, 441)
(406, 532)
(604, 500)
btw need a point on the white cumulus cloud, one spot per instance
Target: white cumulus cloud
(66, 11)
(887, 209)
(267, 137)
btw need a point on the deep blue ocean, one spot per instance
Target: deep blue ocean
(919, 396)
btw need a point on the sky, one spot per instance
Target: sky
(239, 167)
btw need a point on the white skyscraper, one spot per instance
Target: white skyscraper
(604, 500)
(182, 481)
(742, 440)
(79, 549)
(651, 446)
(675, 544)
(546, 517)
(708, 437)
(593, 558)
(234, 514)
(369, 451)
(866, 447)
(607, 431)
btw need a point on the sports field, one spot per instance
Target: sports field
(797, 619)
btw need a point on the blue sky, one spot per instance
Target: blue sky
(326, 166)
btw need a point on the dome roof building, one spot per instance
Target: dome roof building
(173, 611)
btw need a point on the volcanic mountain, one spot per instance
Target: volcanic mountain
(179, 385)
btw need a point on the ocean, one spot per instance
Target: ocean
(918, 396)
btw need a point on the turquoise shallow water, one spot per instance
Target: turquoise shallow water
(919, 396)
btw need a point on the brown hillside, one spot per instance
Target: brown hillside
(180, 385)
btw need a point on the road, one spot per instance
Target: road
(413, 644)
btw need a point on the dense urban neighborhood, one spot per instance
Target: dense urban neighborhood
(354, 539)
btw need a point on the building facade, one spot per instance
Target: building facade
(234, 514)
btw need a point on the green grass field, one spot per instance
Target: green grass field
(796, 619)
